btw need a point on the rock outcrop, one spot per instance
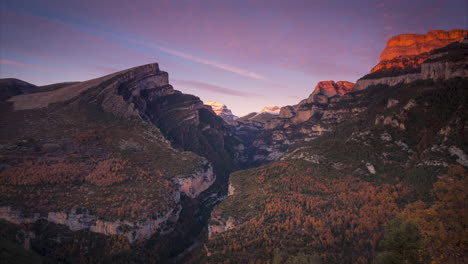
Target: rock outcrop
(219, 225)
(402, 132)
(415, 44)
(81, 218)
(440, 64)
(222, 111)
(326, 89)
(126, 156)
(310, 118)
(198, 182)
(405, 53)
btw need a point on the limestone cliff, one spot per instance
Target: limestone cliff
(415, 44)
(440, 64)
(90, 156)
(198, 182)
(137, 230)
(405, 53)
(308, 119)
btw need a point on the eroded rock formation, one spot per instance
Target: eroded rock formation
(415, 44)
(437, 60)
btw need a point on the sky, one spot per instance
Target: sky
(244, 53)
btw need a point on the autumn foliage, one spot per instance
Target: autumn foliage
(444, 223)
(108, 172)
(50, 171)
(334, 218)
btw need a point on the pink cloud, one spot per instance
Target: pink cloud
(213, 88)
(215, 64)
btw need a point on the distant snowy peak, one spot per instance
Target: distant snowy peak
(222, 111)
(271, 109)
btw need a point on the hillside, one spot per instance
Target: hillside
(333, 198)
(89, 160)
(10, 87)
(126, 169)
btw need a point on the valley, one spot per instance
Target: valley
(126, 169)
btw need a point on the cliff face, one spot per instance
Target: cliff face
(137, 230)
(415, 44)
(331, 157)
(423, 57)
(405, 53)
(440, 64)
(310, 118)
(198, 182)
(101, 157)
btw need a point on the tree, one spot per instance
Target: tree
(402, 242)
(443, 224)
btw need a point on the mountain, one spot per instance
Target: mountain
(119, 160)
(271, 109)
(222, 111)
(441, 64)
(247, 129)
(405, 54)
(308, 119)
(406, 45)
(10, 87)
(126, 169)
(351, 172)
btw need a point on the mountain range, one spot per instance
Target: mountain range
(126, 169)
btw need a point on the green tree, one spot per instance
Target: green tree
(402, 243)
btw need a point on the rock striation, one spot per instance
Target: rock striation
(385, 127)
(308, 119)
(138, 118)
(404, 56)
(440, 64)
(136, 230)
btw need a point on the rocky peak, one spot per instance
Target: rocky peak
(441, 63)
(222, 111)
(406, 52)
(415, 44)
(326, 89)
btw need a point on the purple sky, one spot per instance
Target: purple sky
(246, 54)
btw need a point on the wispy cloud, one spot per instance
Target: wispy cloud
(212, 88)
(135, 40)
(39, 67)
(215, 64)
(16, 63)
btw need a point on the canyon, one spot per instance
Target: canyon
(162, 177)
(398, 133)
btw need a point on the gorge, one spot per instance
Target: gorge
(124, 168)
